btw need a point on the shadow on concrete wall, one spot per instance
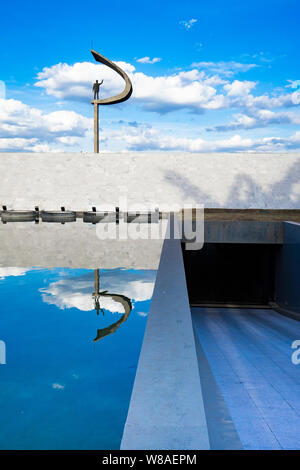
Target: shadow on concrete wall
(245, 192)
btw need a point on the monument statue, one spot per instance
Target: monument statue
(96, 88)
(123, 96)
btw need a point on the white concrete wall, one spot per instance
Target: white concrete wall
(80, 181)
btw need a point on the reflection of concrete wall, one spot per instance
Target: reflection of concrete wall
(288, 271)
(79, 181)
(72, 245)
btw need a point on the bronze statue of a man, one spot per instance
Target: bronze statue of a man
(96, 88)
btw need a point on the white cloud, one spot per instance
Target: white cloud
(196, 90)
(152, 139)
(224, 68)
(189, 89)
(26, 128)
(239, 88)
(293, 84)
(207, 86)
(75, 81)
(188, 23)
(23, 145)
(143, 139)
(267, 102)
(258, 118)
(147, 60)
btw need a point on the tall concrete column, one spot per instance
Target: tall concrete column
(96, 127)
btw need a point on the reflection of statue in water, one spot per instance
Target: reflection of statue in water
(96, 294)
(122, 299)
(125, 302)
(96, 88)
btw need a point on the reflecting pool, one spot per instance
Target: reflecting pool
(73, 338)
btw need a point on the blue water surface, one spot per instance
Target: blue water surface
(59, 389)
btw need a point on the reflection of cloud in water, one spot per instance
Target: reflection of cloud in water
(62, 295)
(6, 272)
(77, 291)
(57, 386)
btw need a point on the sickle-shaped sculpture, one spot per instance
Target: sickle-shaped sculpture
(126, 93)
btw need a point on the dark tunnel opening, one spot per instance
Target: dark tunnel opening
(231, 273)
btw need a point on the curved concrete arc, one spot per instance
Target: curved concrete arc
(126, 93)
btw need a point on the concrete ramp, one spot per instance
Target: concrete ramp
(249, 352)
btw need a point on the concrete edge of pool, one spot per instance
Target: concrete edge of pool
(166, 410)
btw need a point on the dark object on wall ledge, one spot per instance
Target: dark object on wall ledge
(19, 215)
(58, 216)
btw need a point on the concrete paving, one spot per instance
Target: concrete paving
(221, 429)
(250, 355)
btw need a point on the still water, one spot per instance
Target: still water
(71, 354)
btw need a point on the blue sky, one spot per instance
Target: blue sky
(225, 75)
